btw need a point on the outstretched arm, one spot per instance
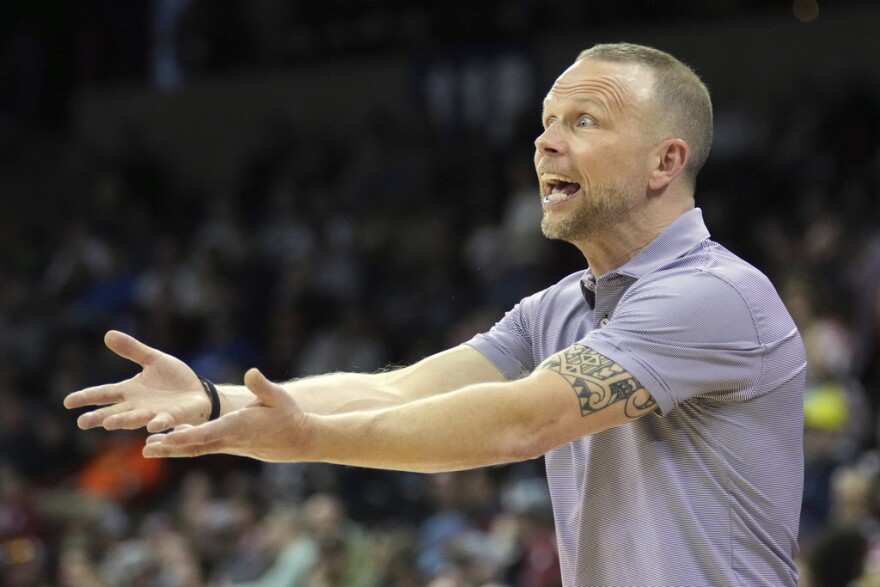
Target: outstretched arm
(340, 393)
(167, 393)
(574, 393)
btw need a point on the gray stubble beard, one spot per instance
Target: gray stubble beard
(596, 210)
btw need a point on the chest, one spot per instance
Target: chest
(561, 325)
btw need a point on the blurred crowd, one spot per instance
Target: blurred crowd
(363, 254)
(356, 257)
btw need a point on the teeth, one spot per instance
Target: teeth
(553, 177)
(555, 197)
(550, 182)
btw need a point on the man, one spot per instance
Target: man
(664, 384)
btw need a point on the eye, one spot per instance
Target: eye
(585, 122)
(549, 121)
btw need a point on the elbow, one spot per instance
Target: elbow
(545, 425)
(538, 429)
(531, 444)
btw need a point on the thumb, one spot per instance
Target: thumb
(270, 394)
(129, 347)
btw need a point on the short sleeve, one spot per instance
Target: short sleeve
(686, 334)
(508, 344)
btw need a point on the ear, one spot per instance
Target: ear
(668, 161)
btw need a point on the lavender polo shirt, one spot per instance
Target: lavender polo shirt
(706, 491)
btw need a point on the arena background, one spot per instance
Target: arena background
(307, 187)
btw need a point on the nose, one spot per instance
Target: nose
(550, 142)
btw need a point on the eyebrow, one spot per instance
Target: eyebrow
(577, 100)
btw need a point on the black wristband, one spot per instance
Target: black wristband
(211, 390)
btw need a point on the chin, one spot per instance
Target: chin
(563, 230)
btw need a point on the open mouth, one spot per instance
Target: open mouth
(558, 188)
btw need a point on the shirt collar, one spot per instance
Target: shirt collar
(686, 232)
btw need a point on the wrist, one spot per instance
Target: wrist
(311, 427)
(213, 395)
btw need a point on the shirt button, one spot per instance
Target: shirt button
(604, 322)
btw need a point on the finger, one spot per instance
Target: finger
(100, 395)
(154, 438)
(162, 421)
(129, 347)
(187, 434)
(160, 437)
(186, 439)
(128, 420)
(270, 394)
(160, 450)
(97, 417)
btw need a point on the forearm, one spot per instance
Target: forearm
(339, 393)
(479, 425)
(333, 393)
(233, 397)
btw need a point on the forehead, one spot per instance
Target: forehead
(615, 86)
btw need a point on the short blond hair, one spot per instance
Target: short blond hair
(678, 90)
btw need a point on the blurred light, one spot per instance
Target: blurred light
(825, 408)
(19, 551)
(805, 10)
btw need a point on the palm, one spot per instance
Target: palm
(162, 384)
(166, 393)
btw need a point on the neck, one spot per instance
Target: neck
(621, 241)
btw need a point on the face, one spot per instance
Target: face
(592, 158)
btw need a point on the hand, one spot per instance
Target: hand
(271, 428)
(165, 394)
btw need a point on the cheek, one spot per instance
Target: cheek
(592, 164)
(601, 163)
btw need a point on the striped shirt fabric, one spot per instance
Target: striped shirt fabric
(705, 491)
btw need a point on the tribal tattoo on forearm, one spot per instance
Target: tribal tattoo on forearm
(599, 382)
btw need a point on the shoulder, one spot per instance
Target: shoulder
(709, 262)
(713, 289)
